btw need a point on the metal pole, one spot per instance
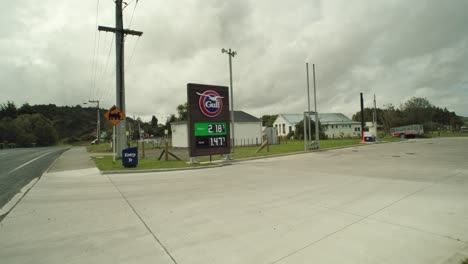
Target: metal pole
(120, 82)
(362, 118)
(305, 133)
(113, 144)
(232, 100)
(374, 116)
(316, 145)
(98, 123)
(308, 105)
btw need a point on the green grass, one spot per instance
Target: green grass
(446, 134)
(391, 139)
(101, 148)
(105, 163)
(106, 147)
(289, 147)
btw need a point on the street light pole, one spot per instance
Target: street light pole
(316, 143)
(98, 129)
(231, 54)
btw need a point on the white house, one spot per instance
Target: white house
(286, 123)
(335, 125)
(247, 131)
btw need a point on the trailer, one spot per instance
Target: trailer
(408, 131)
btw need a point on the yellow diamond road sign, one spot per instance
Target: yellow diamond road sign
(114, 115)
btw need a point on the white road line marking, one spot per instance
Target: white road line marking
(21, 166)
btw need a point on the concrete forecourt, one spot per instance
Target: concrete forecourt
(404, 202)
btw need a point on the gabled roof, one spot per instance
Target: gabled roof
(292, 118)
(325, 118)
(243, 117)
(239, 117)
(332, 118)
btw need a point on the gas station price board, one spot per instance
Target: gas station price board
(210, 134)
(208, 116)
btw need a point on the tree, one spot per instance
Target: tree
(154, 121)
(43, 130)
(182, 112)
(417, 110)
(8, 131)
(170, 120)
(25, 109)
(391, 117)
(268, 120)
(299, 133)
(8, 110)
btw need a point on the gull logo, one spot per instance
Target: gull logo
(210, 103)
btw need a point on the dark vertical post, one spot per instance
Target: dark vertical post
(362, 118)
(308, 105)
(316, 145)
(120, 82)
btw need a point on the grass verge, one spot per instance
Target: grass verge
(105, 163)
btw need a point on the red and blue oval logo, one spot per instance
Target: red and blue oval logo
(210, 103)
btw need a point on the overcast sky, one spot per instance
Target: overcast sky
(51, 52)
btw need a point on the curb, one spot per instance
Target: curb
(15, 200)
(225, 163)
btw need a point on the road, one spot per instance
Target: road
(19, 166)
(401, 202)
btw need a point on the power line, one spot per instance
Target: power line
(93, 63)
(133, 13)
(104, 72)
(133, 52)
(107, 89)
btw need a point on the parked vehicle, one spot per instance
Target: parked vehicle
(409, 131)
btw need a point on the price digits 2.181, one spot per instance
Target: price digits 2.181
(216, 128)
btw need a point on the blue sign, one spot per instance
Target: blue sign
(130, 157)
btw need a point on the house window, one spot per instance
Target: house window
(284, 128)
(290, 129)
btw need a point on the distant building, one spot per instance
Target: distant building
(247, 131)
(335, 125)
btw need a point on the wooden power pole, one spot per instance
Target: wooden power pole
(120, 32)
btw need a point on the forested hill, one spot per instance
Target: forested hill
(46, 124)
(74, 121)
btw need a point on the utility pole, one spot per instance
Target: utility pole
(309, 137)
(98, 129)
(231, 54)
(316, 143)
(374, 119)
(362, 118)
(120, 32)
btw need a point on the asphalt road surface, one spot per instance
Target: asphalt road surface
(19, 166)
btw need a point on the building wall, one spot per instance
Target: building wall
(342, 130)
(248, 133)
(179, 135)
(283, 127)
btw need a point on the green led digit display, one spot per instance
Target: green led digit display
(210, 129)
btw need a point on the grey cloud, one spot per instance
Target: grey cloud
(395, 49)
